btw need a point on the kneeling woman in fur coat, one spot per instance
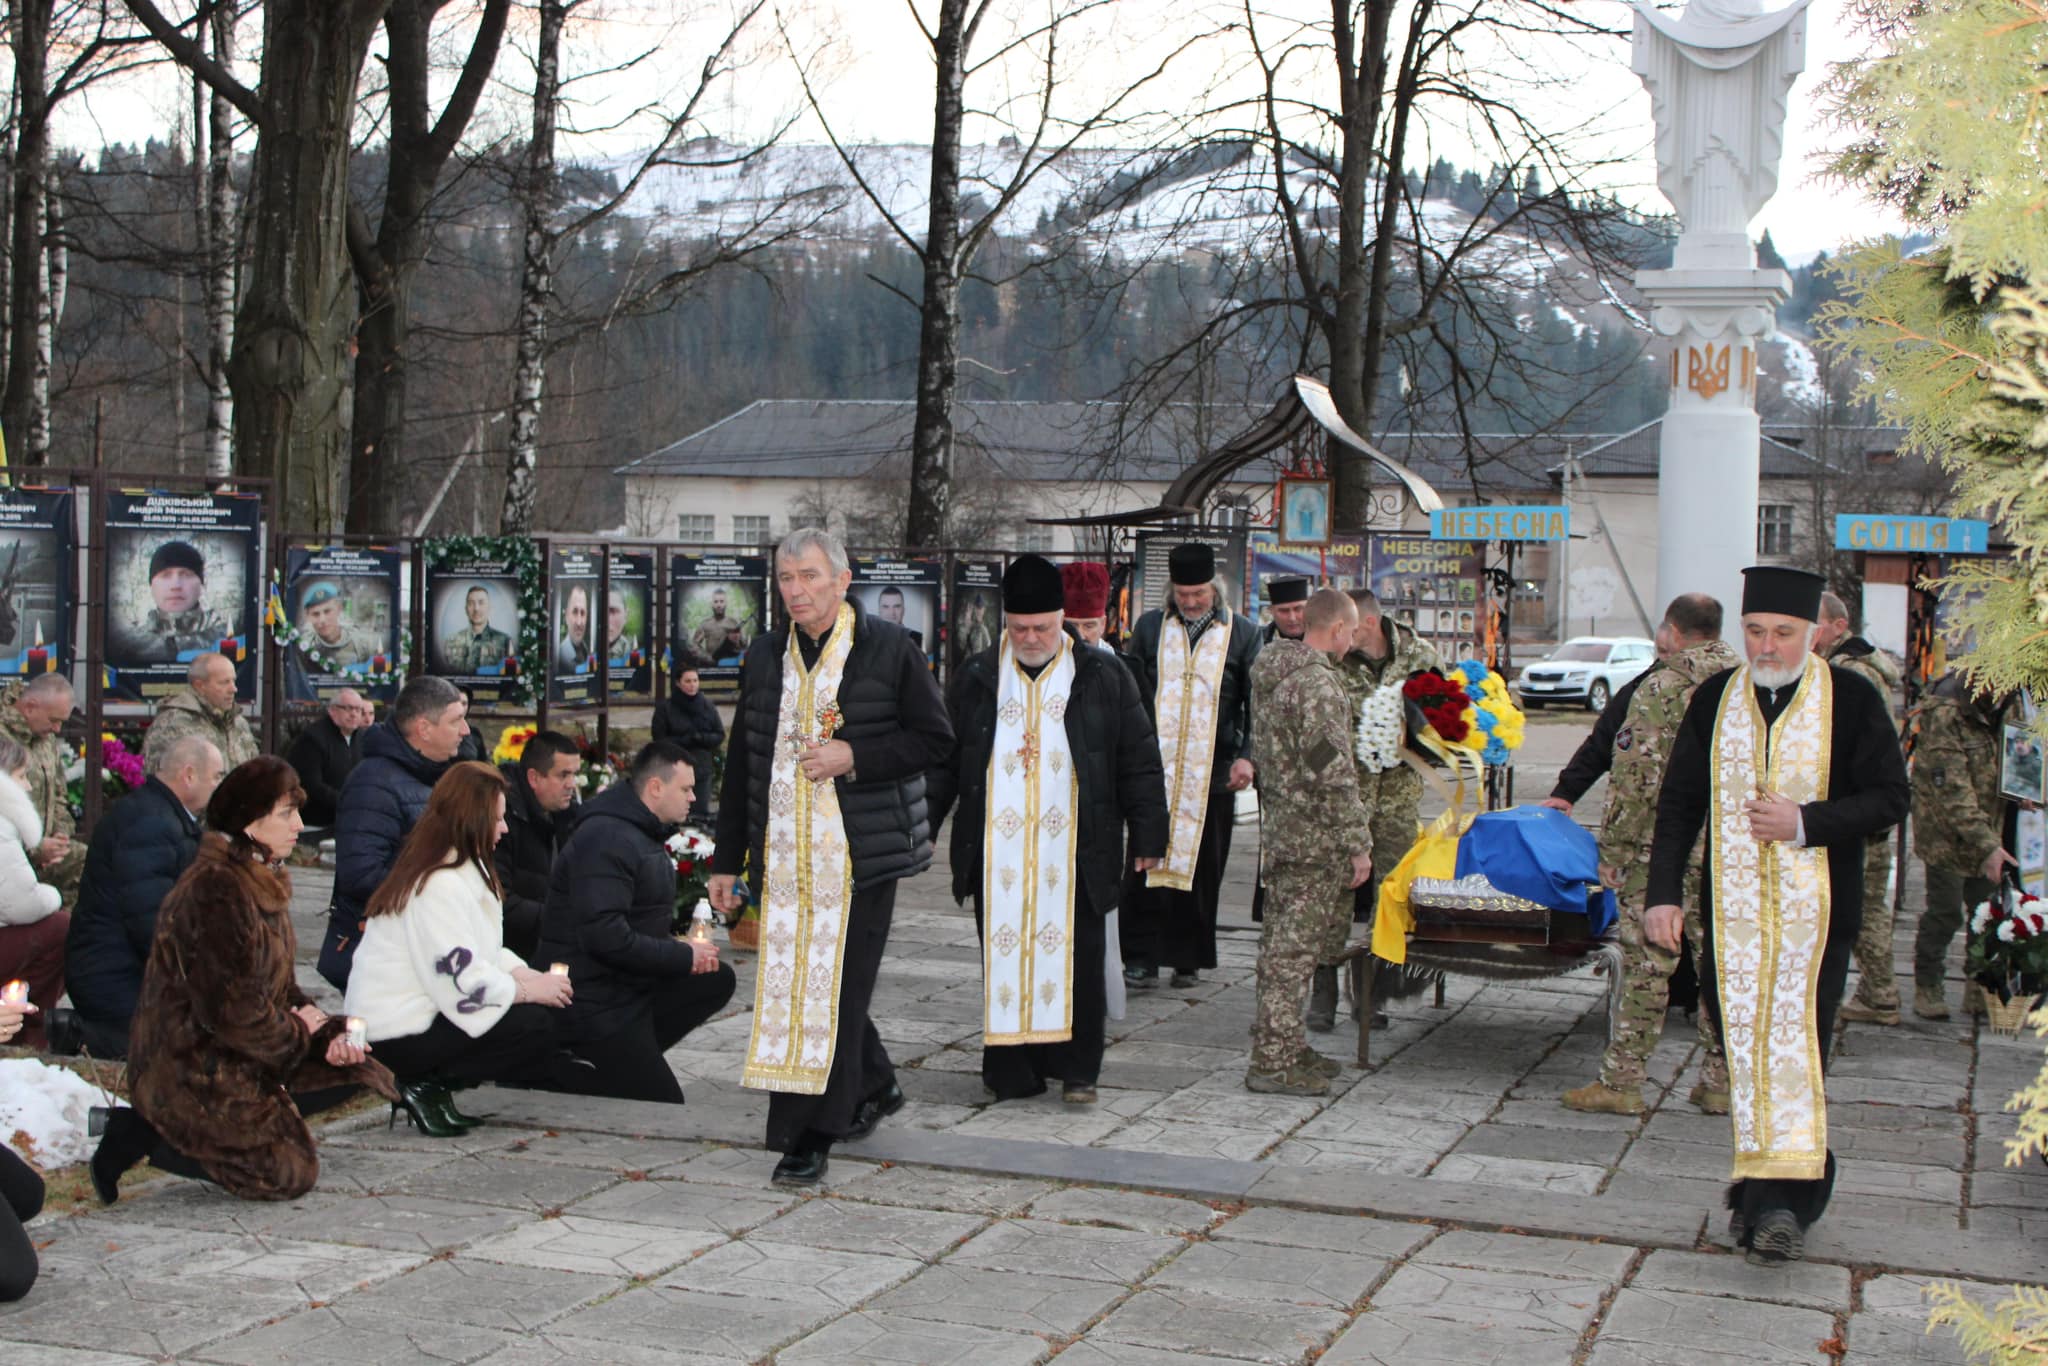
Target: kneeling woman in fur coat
(228, 1054)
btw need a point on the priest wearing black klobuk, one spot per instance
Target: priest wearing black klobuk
(1785, 765)
(1055, 761)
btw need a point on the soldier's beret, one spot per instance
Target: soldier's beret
(177, 555)
(321, 592)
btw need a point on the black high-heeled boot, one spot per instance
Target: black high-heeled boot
(425, 1104)
(125, 1140)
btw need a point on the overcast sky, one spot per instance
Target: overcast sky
(874, 74)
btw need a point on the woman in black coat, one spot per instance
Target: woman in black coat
(689, 719)
(611, 905)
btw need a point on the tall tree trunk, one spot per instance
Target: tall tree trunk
(55, 268)
(290, 366)
(220, 240)
(1361, 78)
(938, 340)
(418, 150)
(29, 34)
(538, 196)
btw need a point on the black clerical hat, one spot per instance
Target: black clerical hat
(1032, 584)
(1778, 588)
(1191, 564)
(1279, 591)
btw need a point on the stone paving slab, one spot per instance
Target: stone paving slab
(1127, 1210)
(1664, 1325)
(1808, 1285)
(1078, 1250)
(602, 1247)
(1541, 1304)
(723, 1327)
(777, 1273)
(349, 1335)
(487, 1294)
(898, 1340)
(1208, 1325)
(1010, 1300)
(848, 1226)
(1399, 1338)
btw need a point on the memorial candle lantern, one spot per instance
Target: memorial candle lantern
(38, 658)
(379, 664)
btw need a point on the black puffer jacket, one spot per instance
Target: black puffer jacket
(691, 722)
(138, 852)
(895, 720)
(380, 803)
(610, 909)
(1234, 703)
(1115, 753)
(526, 860)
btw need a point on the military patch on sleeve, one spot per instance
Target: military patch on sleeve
(1625, 737)
(1323, 755)
(1937, 776)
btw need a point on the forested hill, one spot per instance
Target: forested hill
(1105, 265)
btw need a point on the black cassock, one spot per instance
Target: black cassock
(1867, 792)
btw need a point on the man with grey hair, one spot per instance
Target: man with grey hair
(139, 849)
(204, 706)
(402, 758)
(32, 713)
(325, 753)
(837, 722)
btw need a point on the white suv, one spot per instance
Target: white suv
(1585, 669)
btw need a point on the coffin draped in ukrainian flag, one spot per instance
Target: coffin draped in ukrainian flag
(1529, 872)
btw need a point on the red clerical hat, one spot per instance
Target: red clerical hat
(1087, 586)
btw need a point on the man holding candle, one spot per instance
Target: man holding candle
(205, 706)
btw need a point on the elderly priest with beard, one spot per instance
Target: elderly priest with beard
(1790, 764)
(1056, 757)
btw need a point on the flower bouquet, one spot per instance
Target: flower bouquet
(1467, 708)
(2008, 954)
(691, 850)
(512, 743)
(121, 772)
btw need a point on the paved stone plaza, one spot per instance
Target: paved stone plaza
(1442, 1208)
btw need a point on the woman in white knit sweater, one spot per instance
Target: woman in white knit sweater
(32, 928)
(442, 999)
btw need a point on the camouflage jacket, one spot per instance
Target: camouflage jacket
(1308, 781)
(1958, 816)
(47, 758)
(1642, 748)
(471, 652)
(1859, 656)
(1399, 788)
(160, 638)
(182, 714)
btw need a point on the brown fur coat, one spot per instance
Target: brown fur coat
(216, 1050)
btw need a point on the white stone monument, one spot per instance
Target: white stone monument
(1718, 77)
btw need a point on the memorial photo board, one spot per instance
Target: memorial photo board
(717, 604)
(342, 611)
(184, 578)
(1341, 564)
(36, 581)
(1435, 587)
(574, 620)
(974, 615)
(1150, 581)
(472, 626)
(903, 589)
(624, 630)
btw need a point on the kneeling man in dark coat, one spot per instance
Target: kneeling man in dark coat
(1055, 758)
(1790, 764)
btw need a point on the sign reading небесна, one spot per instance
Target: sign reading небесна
(1501, 524)
(1882, 531)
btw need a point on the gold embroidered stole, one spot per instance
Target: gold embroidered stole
(1027, 876)
(1770, 926)
(807, 886)
(1190, 686)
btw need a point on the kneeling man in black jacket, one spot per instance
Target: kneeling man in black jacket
(610, 905)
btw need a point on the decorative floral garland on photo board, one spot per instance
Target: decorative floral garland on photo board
(523, 556)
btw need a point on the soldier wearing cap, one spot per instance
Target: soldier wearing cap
(178, 622)
(329, 641)
(1786, 766)
(1192, 658)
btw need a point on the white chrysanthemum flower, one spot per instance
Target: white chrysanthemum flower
(1379, 728)
(2005, 931)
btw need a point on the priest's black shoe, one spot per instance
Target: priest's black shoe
(802, 1167)
(868, 1116)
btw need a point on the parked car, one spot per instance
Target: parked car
(1586, 670)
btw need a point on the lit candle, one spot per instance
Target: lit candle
(358, 1032)
(379, 665)
(558, 969)
(15, 993)
(38, 661)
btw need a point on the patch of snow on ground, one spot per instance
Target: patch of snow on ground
(1802, 373)
(47, 1106)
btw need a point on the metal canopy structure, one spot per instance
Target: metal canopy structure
(1306, 404)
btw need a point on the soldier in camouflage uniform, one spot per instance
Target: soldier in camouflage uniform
(1382, 651)
(1959, 825)
(482, 645)
(32, 713)
(1318, 837)
(205, 707)
(1642, 749)
(1877, 989)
